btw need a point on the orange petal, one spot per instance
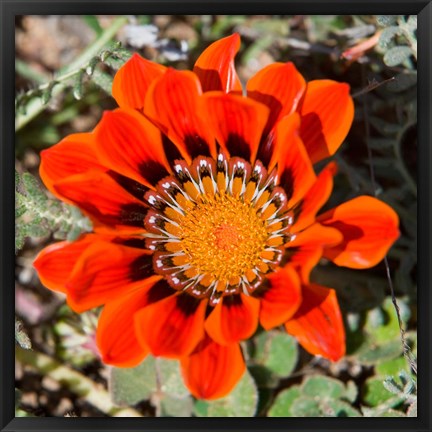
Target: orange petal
(369, 229)
(236, 122)
(279, 86)
(318, 324)
(215, 66)
(327, 113)
(295, 171)
(55, 263)
(133, 79)
(173, 103)
(101, 197)
(130, 144)
(314, 199)
(233, 319)
(282, 298)
(107, 271)
(172, 327)
(73, 155)
(213, 370)
(115, 336)
(306, 248)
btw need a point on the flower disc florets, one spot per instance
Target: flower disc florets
(218, 225)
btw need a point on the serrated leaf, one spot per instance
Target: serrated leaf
(397, 55)
(283, 402)
(35, 229)
(241, 402)
(323, 387)
(129, 386)
(33, 188)
(277, 351)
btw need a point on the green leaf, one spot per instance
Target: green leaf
(33, 188)
(241, 402)
(93, 22)
(170, 378)
(372, 353)
(176, 407)
(338, 408)
(375, 393)
(387, 35)
(397, 55)
(323, 387)
(391, 367)
(386, 20)
(305, 407)
(277, 351)
(21, 337)
(129, 386)
(283, 402)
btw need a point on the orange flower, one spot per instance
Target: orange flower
(204, 203)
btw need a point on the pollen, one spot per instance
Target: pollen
(223, 237)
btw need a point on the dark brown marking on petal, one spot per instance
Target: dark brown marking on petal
(152, 171)
(135, 188)
(196, 146)
(237, 146)
(159, 291)
(171, 151)
(138, 243)
(286, 181)
(187, 304)
(133, 214)
(141, 268)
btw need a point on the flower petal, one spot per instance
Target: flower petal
(215, 66)
(173, 103)
(107, 271)
(280, 87)
(327, 113)
(55, 263)
(369, 229)
(101, 197)
(133, 79)
(115, 336)
(306, 248)
(73, 155)
(281, 300)
(236, 122)
(315, 198)
(173, 326)
(233, 319)
(295, 171)
(213, 370)
(318, 324)
(128, 143)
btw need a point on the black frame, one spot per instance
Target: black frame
(10, 8)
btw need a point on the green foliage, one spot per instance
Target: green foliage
(113, 55)
(274, 357)
(37, 215)
(317, 396)
(241, 402)
(398, 39)
(156, 380)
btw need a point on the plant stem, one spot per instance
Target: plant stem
(75, 381)
(35, 106)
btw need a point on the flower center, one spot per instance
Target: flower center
(223, 237)
(217, 226)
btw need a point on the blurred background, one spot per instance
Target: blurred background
(64, 69)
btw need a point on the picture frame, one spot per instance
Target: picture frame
(12, 8)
